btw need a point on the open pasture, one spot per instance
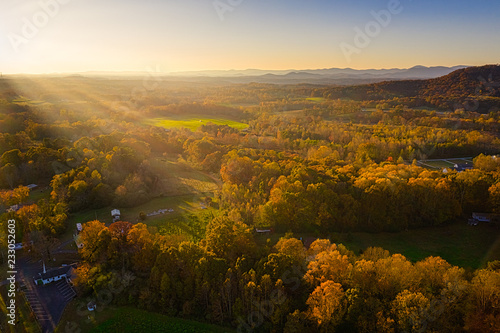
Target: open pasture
(192, 122)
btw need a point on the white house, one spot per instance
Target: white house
(53, 275)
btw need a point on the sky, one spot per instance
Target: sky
(49, 36)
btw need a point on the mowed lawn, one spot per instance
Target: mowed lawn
(437, 164)
(193, 122)
(130, 320)
(445, 163)
(459, 244)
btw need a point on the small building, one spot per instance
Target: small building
(116, 215)
(485, 218)
(462, 167)
(32, 186)
(53, 275)
(20, 246)
(263, 231)
(481, 217)
(13, 208)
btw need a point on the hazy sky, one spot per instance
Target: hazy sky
(45, 36)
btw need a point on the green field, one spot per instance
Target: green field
(192, 122)
(316, 99)
(131, 320)
(24, 100)
(188, 218)
(39, 193)
(459, 243)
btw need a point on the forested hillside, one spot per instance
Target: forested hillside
(289, 163)
(472, 88)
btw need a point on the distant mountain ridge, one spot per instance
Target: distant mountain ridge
(324, 76)
(413, 71)
(340, 76)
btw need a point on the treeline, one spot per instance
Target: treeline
(228, 279)
(315, 195)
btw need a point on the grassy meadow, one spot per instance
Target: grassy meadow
(182, 189)
(192, 122)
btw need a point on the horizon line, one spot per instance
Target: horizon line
(229, 70)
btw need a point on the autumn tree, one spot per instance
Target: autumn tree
(95, 237)
(327, 305)
(484, 312)
(411, 311)
(15, 196)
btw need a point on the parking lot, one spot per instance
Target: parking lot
(47, 302)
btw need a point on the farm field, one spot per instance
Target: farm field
(192, 122)
(316, 99)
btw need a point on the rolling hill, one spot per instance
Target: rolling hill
(474, 88)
